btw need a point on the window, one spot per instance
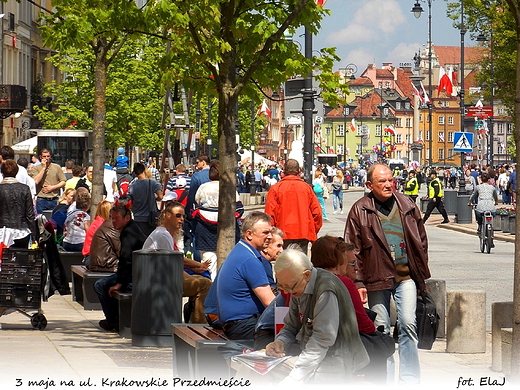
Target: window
(451, 120)
(450, 136)
(509, 128)
(450, 154)
(441, 120)
(420, 118)
(407, 105)
(420, 134)
(378, 130)
(398, 154)
(398, 138)
(399, 122)
(385, 111)
(428, 135)
(346, 111)
(340, 149)
(408, 138)
(327, 130)
(408, 122)
(387, 84)
(427, 153)
(500, 128)
(398, 105)
(441, 154)
(341, 130)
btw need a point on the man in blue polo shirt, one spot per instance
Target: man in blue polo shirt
(246, 292)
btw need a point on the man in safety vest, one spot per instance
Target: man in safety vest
(435, 194)
(411, 187)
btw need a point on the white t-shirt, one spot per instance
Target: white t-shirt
(109, 178)
(160, 238)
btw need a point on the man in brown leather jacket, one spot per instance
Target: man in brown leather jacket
(104, 250)
(391, 247)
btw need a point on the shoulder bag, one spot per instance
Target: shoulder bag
(154, 211)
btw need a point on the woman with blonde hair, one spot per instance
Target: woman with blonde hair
(337, 191)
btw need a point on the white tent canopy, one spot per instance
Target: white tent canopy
(245, 158)
(26, 147)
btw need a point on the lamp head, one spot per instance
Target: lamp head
(417, 10)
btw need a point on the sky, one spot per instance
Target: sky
(377, 31)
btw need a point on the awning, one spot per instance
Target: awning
(26, 147)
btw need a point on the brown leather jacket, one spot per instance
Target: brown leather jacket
(363, 229)
(105, 247)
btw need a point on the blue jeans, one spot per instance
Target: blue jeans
(337, 199)
(108, 304)
(405, 297)
(322, 204)
(43, 204)
(72, 247)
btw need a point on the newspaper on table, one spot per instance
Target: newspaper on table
(258, 361)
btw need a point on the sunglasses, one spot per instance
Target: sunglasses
(179, 215)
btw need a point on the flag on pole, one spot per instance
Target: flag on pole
(263, 109)
(353, 125)
(426, 97)
(390, 129)
(321, 3)
(417, 93)
(445, 82)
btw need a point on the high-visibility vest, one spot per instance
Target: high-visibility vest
(431, 190)
(412, 182)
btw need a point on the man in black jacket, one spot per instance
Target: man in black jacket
(132, 239)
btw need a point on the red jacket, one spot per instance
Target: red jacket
(294, 208)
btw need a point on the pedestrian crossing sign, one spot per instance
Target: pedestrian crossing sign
(462, 142)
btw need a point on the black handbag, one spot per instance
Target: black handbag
(427, 321)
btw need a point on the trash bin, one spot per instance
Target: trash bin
(464, 212)
(450, 201)
(157, 277)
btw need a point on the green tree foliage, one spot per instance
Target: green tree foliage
(231, 48)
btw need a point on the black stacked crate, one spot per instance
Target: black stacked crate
(20, 278)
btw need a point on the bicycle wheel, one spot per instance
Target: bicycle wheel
(482, 239)
(489, 237)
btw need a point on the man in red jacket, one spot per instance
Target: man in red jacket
(294, 208)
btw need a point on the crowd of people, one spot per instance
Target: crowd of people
(337, 289)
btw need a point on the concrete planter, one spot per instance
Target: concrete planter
(512, 224)
(504, 223)
(497, 223)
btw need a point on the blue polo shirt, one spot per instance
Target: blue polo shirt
(242, 271)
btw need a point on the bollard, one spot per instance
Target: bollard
(437, 289)
(157, 278)
(501, 317)
(466, 322)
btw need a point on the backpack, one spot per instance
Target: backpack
(123, 185)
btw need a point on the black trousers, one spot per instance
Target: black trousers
(439, 204)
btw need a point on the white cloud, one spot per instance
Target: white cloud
(403, 52)
(371, 22)
(360, 57)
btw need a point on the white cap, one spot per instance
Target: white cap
(180, 182)
(169, 196)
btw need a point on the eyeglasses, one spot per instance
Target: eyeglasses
(289, 290)
(353, 264)
(179, 215)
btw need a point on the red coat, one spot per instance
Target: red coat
(294, 208)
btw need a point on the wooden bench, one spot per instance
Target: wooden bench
(68, 259)
(125, 313)
(83, 286)
(194, 347)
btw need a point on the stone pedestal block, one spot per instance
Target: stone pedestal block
(466, 322)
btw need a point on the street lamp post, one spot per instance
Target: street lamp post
(209, 140)
(345, 113)
(417, 11)
(462, 181)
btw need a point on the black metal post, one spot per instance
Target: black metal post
(308, 108)
(209, 140)
(344, 135)
(253, 137)
(462, 181)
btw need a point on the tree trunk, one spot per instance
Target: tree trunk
(228, 166)
(515, 347)
(98, 131)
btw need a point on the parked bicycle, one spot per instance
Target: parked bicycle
(485, 231)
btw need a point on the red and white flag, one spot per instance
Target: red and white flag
(353, 125)
(417, 93)
(426, 97)
(445, 81)
(321, 3)
(263, 109)
(390, 129)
